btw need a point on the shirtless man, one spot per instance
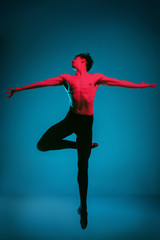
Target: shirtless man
(81, 89)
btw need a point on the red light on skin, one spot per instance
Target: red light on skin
(78, 64)
(81, 90)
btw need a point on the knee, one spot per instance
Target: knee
(83, 165)
(82, 175)
(82, 169)
(41, 147)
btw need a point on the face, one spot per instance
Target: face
(77, 62)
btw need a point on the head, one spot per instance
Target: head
(86, 59)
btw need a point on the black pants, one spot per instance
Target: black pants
(81, 125)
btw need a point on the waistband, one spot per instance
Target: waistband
(70, 112)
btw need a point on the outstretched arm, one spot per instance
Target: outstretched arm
(57, 81)
(107, 81)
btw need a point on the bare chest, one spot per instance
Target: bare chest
(82, 84)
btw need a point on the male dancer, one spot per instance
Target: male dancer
(81, 89)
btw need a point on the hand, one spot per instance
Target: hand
(144, 85)
(153, 85)
(11, 92)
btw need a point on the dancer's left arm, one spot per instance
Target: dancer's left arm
(107, 81)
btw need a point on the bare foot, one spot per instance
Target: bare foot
(94, 145)
(83, 217)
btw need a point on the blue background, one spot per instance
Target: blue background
(38, 41)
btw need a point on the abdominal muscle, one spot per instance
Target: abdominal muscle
(81, 93)
(82, 108)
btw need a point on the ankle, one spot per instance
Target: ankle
(83, 208)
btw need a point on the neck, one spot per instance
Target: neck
(81, 71)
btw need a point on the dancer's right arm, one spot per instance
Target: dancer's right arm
(57, 81)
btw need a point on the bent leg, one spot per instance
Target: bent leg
(53, 137)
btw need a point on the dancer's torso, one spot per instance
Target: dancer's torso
(81, 91)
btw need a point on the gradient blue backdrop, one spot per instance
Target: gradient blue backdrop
(38, 41)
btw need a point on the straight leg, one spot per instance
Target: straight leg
(83, 157)
(84, 143)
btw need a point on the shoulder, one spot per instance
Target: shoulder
(67, 79)
(65, 76)
(99, 75)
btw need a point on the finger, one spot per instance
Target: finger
(8, 92)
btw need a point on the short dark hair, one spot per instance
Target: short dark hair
(88, 59)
